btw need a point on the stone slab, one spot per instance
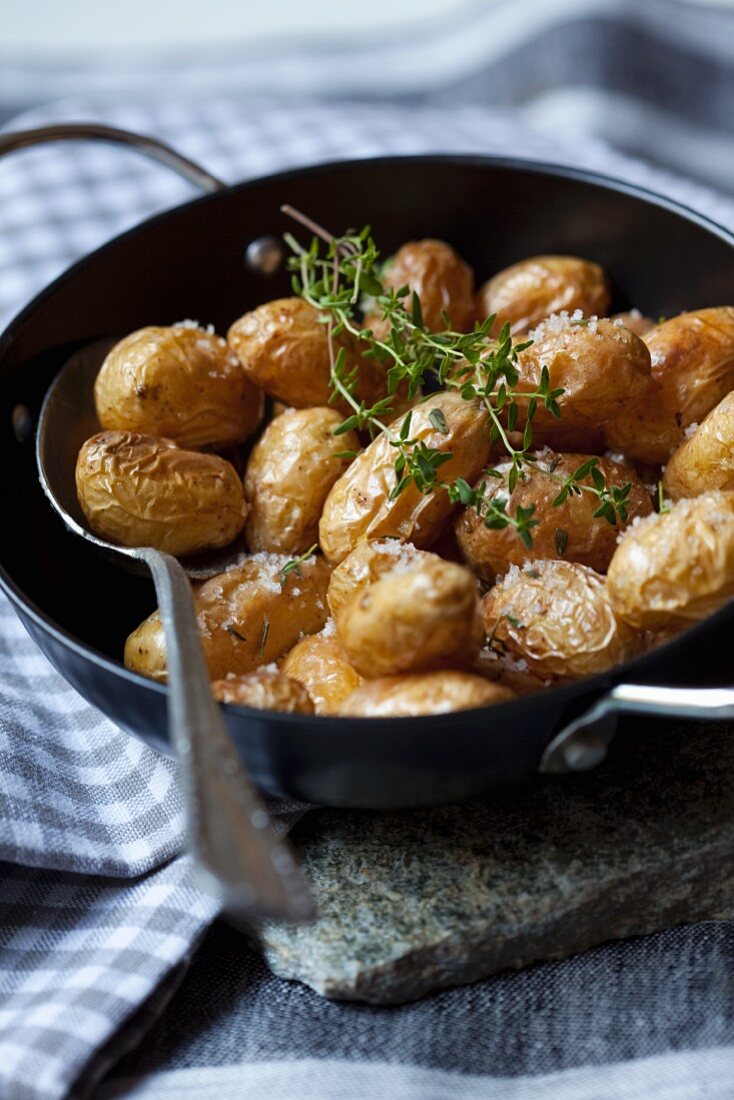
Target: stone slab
(412, 901)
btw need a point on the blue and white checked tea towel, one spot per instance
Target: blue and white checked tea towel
(98, 913)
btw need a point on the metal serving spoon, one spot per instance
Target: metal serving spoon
(229, 832)
(238, 855)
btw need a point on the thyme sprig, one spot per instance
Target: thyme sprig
(339, 276)
(294, 565)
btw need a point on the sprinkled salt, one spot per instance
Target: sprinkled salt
(188, 322)
(688, 432)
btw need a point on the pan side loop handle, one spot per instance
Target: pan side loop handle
(92, 131)
(583, 743)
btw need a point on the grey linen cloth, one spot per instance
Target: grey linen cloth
(99, 913)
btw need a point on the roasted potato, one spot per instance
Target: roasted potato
(248, 616)
(182, 383)
(321, 665)
(673, 569)
(692, 359)
(422, 615)
(264, 689)
(529, 291)
(568, 531)
(705, 459)
(359, 505)
(284, 348)
(423, 693)
(367, 563)
(556, 620)
(633, 320)
(137, 490)
(443, 282)
(602, 368)
(289, 474)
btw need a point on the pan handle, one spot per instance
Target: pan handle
(583, 743)
(92, 131)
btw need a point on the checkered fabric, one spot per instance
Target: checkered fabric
(97, 915)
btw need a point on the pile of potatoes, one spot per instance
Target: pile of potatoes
(413, 606)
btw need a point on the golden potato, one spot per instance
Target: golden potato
(692, 358)
(633, 320)
(182, 383)
(246, 617)
(367, 563)
(673, 569)
(556, 621)
(264, 689)
(705, 459)
(423, 693)
(531, 290)
(289, 474)
(568, 531)
(603, 369)
(359, 505)
(137, 490)
(321, 665)
(443, 282)
(419, 616)
(284, 348)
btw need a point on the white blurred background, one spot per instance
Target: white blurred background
(655, 78)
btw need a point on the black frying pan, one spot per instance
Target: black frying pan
(190, 262)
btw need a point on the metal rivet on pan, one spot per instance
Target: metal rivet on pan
(22, 422)
(264, 255)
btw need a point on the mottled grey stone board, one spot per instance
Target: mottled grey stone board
(415, 900)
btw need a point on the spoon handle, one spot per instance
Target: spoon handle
(252, 871)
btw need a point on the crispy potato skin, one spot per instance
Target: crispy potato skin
(635, 321)
(321, 665)
(359, 506)
(367, 563)
(692, 358)
(590, 541)
(137, 490)
(284, 349)
(289, 474)
(419, 617)
(440, 278)
(264, 689)
(676, 568)
(231, 611)
(179, 382)
(557, 621)
(705, 461)
(423, 693)
(526, 293)
(603, 369)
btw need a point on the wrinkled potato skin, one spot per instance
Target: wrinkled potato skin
(567, 625)
(692, 358)
(322, 666)
(529, 291)
(181, 383)
(676, 568)
(705, 461)
(367, 563)
(592, 542)
(264, 689)
(284, 349)
(231, 609)
(423, 693)
(289, 474)
(635, 321)
(409, 621)
(359, 506)
(603, 374)
(137, 490)
(440, 278)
